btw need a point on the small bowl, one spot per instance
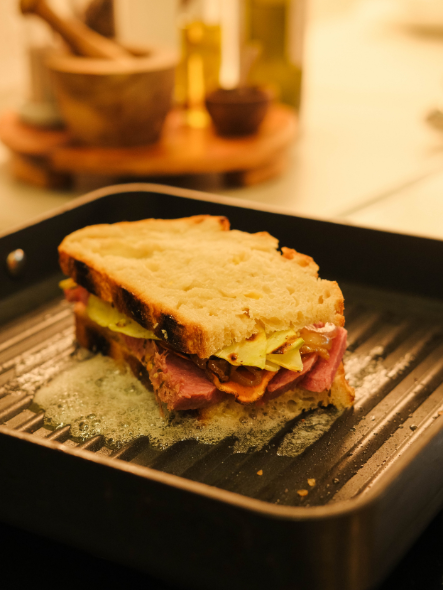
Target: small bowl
(238, 111)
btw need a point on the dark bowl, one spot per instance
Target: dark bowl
(238, 111)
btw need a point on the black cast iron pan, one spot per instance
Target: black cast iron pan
(198, 516)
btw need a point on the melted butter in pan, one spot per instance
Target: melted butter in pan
(97, 396)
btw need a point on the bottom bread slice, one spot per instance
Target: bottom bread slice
(102, 340)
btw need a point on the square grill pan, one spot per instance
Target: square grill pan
(199, 516)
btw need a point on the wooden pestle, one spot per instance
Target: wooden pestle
(80, 38)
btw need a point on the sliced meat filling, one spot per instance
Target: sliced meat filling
(323, 373)
(137, 346)
(76, 294)
(285, 380)
(180, 384)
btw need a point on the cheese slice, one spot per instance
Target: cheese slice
(279, 349)
(67, 284)
(250, 352)
(281, 339)
(103, 314)
(291, 359)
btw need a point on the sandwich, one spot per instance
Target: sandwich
(206, 315)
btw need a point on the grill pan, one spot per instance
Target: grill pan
(199, 516)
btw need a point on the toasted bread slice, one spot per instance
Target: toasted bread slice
(197, 284)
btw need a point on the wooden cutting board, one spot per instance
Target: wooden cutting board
(182, 150)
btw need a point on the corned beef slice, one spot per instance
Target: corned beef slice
(76, 294)
(322, 375)
(137, 346)
(286, 379)
(180, 384)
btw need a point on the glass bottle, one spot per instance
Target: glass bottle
(275, 29)
(198, 71)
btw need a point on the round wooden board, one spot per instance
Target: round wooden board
(181, 149)
(27, 140)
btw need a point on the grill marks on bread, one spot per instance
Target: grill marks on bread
(197, 285)
(82, 276)
(130, 305)
(172, 331)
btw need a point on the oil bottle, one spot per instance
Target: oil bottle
(198, 71)
(275, 29)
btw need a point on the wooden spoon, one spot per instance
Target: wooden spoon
(80, 38)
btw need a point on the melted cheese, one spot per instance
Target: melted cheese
(103, 314)
(277, 340)
(67, 284)
(291, 359)
(279, 349)
(106, 316)
(251, 352)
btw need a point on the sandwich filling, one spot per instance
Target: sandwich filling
(260, 368)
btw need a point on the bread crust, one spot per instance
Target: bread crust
(186, 329)
(301, 259)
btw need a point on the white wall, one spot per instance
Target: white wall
(147, 21)
(11, 46)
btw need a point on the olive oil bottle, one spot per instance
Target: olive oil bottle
(275, 29)
(198, 71)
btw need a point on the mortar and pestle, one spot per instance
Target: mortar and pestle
(109, 95)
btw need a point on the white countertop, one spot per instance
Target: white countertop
(365, 154)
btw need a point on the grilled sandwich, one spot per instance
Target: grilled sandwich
(205, 314)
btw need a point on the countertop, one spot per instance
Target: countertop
(365, 155)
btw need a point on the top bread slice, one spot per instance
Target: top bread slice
(197, 284)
